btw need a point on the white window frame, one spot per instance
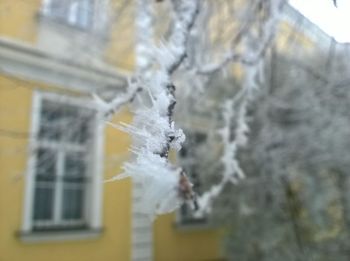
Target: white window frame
(94, 206)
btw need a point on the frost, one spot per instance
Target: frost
(108, 109)
(153, 130)
(178, 140)
(205, 201)
(159, 180)
(235, 109)
(232, 171)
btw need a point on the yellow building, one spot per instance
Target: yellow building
(55, 152)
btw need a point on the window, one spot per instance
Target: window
(63, 183)
(74, 12)
(190, 159)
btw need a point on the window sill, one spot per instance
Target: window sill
(67, 235)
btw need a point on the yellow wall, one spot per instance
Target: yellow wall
(114, 243)
(18, 19)
(181, 244)
(289, 37)
(121, 42)
(170, 244)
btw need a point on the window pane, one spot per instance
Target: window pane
(84, 13)
(43, 203)
(73, 203)
(44, 184)
(75, 167)
(60, 8)
(79, 130)
(74, 184)
(75, 12)
(65, 123)
(51, 117)
(190, 156)
(49, 133)
(45, 165)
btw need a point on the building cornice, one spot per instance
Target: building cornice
(24, 61)
(308, 28)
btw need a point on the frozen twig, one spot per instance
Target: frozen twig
(254, 56)
(153, 129)
(108, 109)
(234, 135)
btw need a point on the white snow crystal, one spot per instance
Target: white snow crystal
(159, 181)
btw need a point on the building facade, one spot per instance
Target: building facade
(56, 151)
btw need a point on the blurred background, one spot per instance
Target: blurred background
(57, 151)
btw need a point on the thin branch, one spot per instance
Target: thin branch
(235, 137)
(109, 109)
(186, 12)
(246, 59)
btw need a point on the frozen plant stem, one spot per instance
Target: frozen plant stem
(234, 110)
(153, 129)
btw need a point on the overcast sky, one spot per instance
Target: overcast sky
(334, 21)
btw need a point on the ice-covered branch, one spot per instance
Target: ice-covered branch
(153, 130)
(227, 58)
(234, 132)
(144, 35)
(185, 16)
(108, 109)
(252, 56)
(232, 139)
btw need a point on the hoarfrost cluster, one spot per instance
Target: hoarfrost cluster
(153, 89)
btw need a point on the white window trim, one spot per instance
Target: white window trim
(95, 210)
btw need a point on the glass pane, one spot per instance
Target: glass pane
(75, 167)
(79, 129)
(43, 203)
(59, 8)
(49, 133)
(45, 165)
(74, 184)
(65, 123)
(73, 203)
(85, 129)
(50, 122)
(85, 13)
